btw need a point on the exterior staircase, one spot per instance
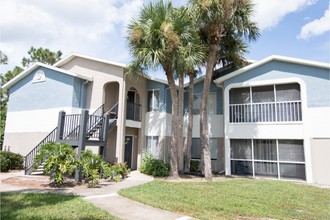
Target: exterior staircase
(77, 130)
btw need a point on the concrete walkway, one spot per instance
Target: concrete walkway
(106, 197)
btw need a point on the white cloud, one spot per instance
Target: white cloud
(92, 27)
(316, 27)
(270, 12)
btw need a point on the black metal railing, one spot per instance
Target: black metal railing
(71, 127)
(113, 112)
(95, 127)
(29, 158)
(99, 111)
(133, 111)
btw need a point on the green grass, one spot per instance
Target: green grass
(48, 206)
(234, 198)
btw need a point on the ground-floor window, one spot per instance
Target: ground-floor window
(152, 145)
(273, 158)
(196, 148)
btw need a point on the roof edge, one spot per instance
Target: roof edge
(20, 76)
(272, 58)
(69, 57)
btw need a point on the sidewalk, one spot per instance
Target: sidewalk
(106, 197)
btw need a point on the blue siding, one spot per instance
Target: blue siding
(198, 88)
(163, 94)
(316, 79)
(58, 90)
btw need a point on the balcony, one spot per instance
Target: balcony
(133, 111)
(286, 111)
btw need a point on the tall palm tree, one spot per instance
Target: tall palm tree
(158, 38)
(216, 19)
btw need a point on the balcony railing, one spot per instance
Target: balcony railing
(133, 111)
(265, 112)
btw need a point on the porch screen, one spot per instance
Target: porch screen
(274, 103)
(273, 158)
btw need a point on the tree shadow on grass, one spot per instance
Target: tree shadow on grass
(13, 203)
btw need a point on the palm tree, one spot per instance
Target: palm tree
(158, 38)
(216, 19)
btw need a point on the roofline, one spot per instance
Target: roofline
(73, 55)
(20, 76)
(272, 58)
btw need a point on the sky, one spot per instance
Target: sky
(294, 28)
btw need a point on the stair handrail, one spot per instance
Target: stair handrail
(29, 158)
(114, 109)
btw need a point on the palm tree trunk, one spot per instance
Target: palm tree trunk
(174, 140)
(180, 125)
(205, 151)
(188, 145)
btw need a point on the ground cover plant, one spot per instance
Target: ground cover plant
(235, 198)
(48, 206)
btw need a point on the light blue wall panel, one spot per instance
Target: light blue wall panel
(198, 88)
(163, 96)
(316, 79)
(56, 91)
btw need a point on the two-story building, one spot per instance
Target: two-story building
(268, 119)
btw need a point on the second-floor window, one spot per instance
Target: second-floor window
(211, 104)
(274, 103)
(153, 100)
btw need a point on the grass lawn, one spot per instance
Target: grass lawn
(48, 206)
(235, 198)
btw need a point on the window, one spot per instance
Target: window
(275, 103)
(153, 100)
(196, 148)
(211, 104)
(152, 145)
(273, 158)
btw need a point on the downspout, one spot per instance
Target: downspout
(83, 91)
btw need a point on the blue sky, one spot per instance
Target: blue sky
(295, 28)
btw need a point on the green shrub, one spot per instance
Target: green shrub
(121, 169)
(4, 163)
(154, 167)
(194, 166)
(92, 166)
(11, 161)
(59, 160)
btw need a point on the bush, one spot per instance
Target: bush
(154, 167)
(10, 161)
(59, 160)
(92, 166)
(194, 166)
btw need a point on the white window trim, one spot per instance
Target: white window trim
(152, 109)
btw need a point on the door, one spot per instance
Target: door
(128, 150)
(130, 105)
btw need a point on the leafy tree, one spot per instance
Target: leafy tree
(41, 55)
(217, 19)
(4, 99)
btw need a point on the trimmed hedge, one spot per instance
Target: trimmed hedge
(10, 161)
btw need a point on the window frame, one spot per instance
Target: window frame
(153, 109)
(279, 163)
